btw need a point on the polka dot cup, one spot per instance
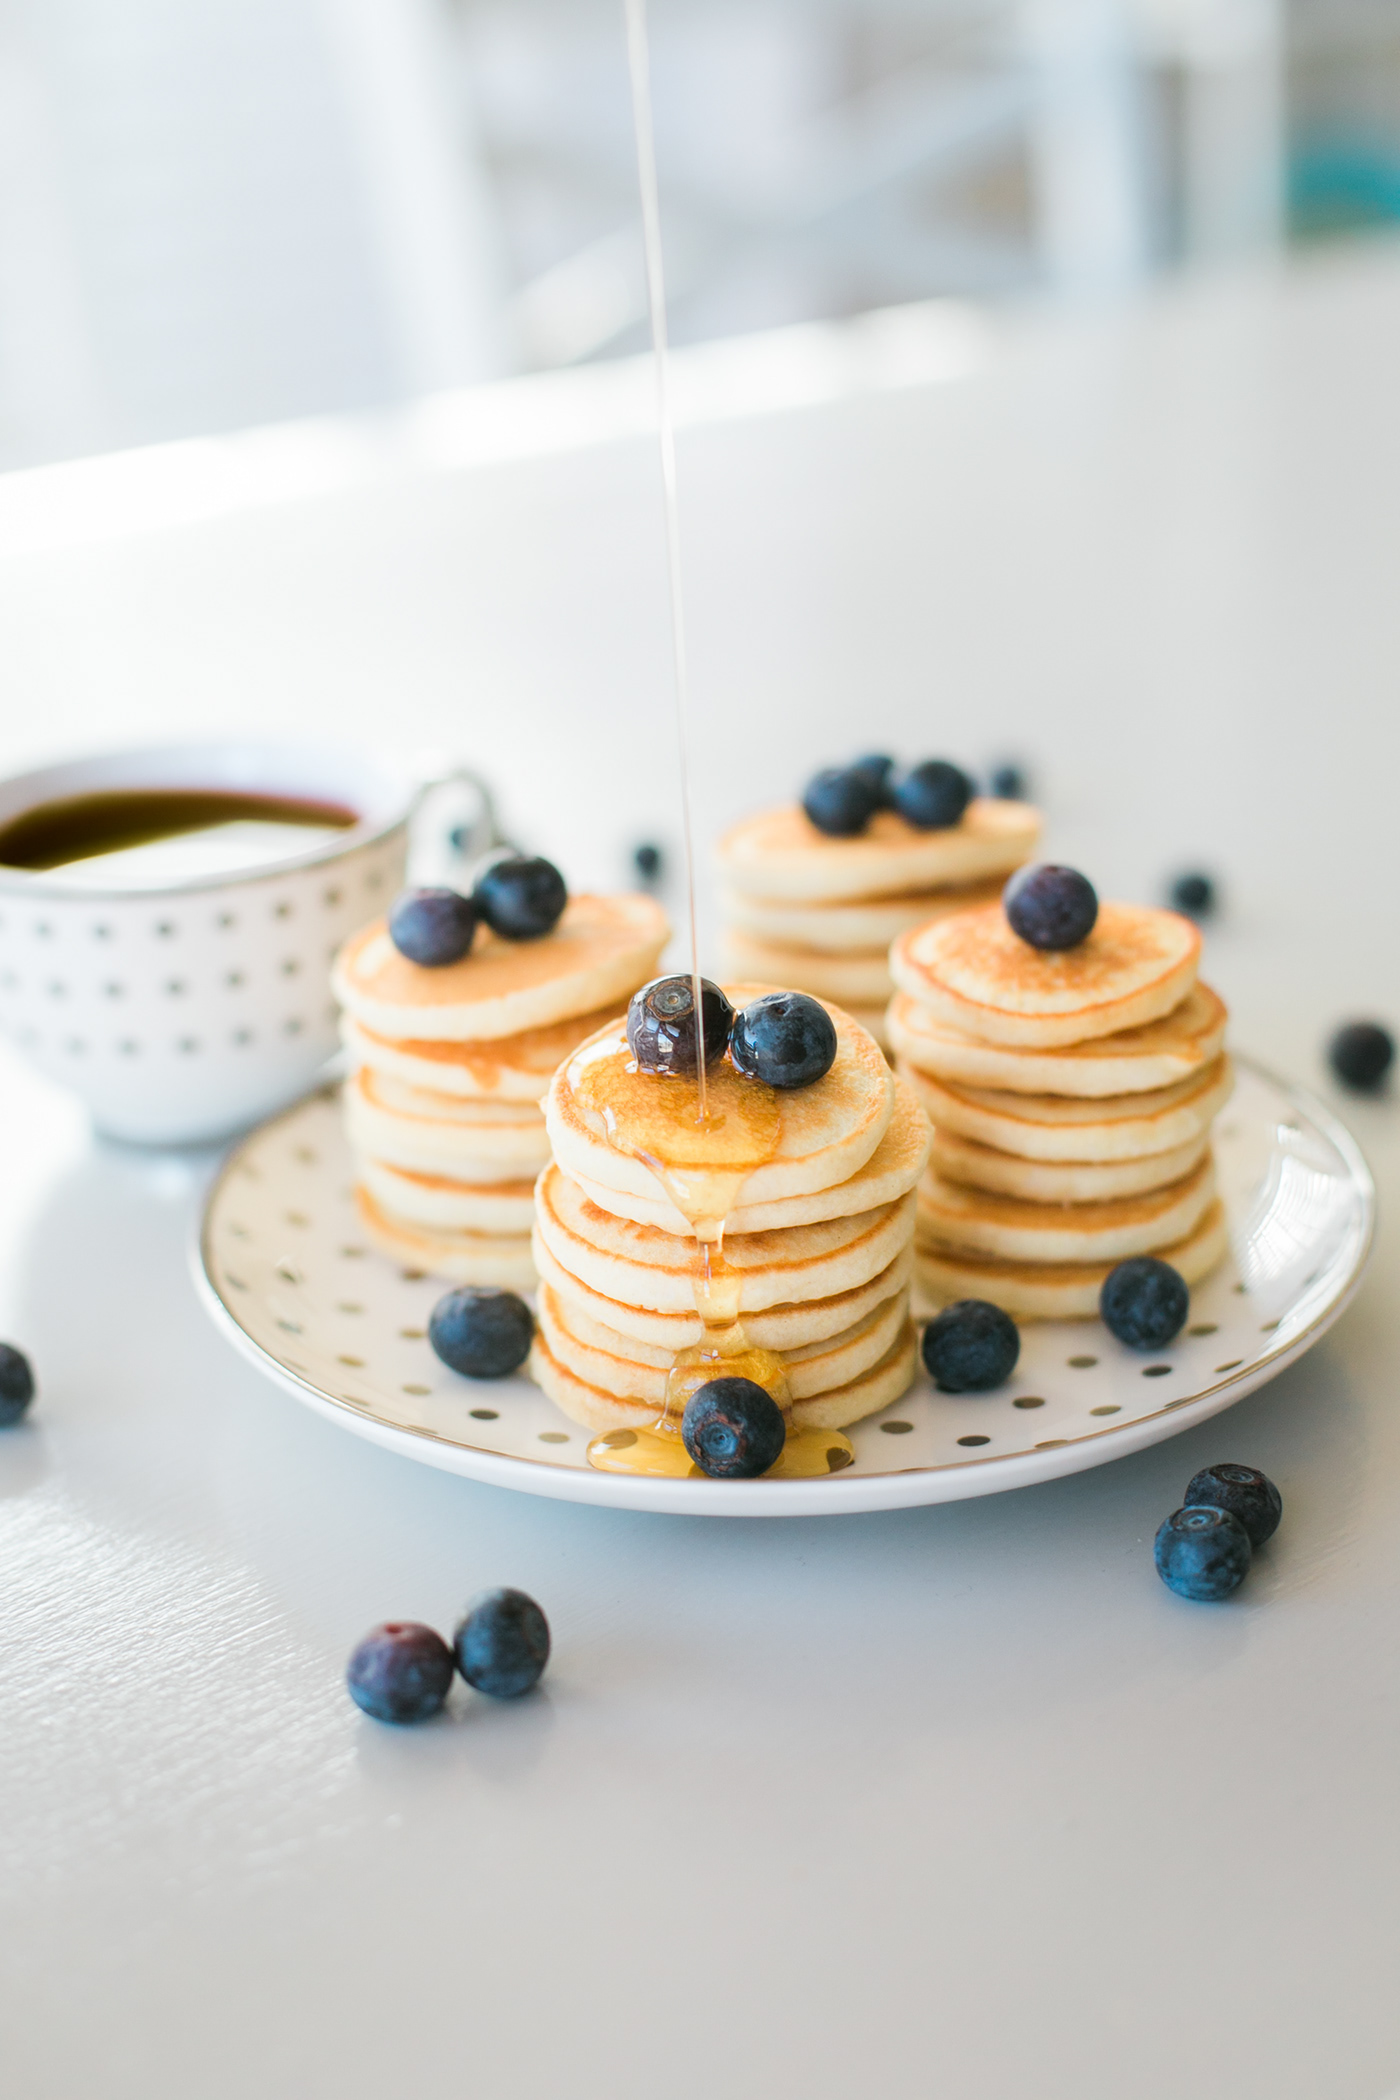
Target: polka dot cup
(182, 1014)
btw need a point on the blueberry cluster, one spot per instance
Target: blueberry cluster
(520, 897)
(785, 1039)
(1204, 1549)
(403, 1671)
(931, 796)
(16, 1385)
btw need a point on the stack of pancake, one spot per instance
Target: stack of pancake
(818, 1243)
(1071, 1095)
(817, 914)
(449, 1068)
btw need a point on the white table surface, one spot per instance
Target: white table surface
(957, 1801)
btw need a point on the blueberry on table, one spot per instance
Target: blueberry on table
(521, 897)
(876, 768)
(1193, 893)
(1008, 783)
(661, 1023)
(785, 1039)
(400, 1672)
(1049, 906)
(1361, 1054)
(971, 1347)
(841, 801)
(1202, 1553)
(933, 796)
(1249, 1496)
(502, 1643)
(649, 862)
(733, 1429)
(433, 927)
(16, 1384)
(481, 1331)
(1144, 1302)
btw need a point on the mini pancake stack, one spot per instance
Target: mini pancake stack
(1071, 1095)
(818, 913)
(449, 1068)
(817, 1243)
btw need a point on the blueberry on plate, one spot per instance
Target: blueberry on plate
(400, 1672)
(1193, 893)
(481, 1331)
(933, 796)
(1361, 1054)
(876, 768)
(1144, 1302)
(16, 1384)
(1008, 783)
(661, 1024)
(733, 1429)
(521, 897)
(971, 1346)
(841, 801)
(1049, 906)
(786, 1039)
(1202, 1553)
(502, 1643)
(1249, 1495)
(433, 927)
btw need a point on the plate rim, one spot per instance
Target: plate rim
(836, 1495)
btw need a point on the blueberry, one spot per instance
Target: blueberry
(1361, 1054)
(971, 1346)
(1193, 893)
(400, 1673)
(785, 1039)
(933, 796)
(1050, 907)
(733, 1429)
(1144, 1302)
(1008, 783)
(1249, 1495)
(433, 927)
(16, 1384)
(1202, 1553)
(502, 1643)
(649, 862)
(521, 898)
(480, 1331)
(876, 768)
(841, 801)
(661, 1024)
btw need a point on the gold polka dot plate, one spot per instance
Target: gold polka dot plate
(287, 1275)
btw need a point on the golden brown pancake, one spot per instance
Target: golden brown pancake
(510, 1068)
(781, 855)
(1052, 1126)
(863, 928)
(1134, 1060)
(1059, 1181)
(973, 1221)
(509, 1147)
(461, 1257)
(1056, 1290)
(864, 979)
(444, 1204)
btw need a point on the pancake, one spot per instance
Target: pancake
(781, 855)
(598, 1410)
(776, 1327)
(638, 1265)
(1053, 1127)
(510, 1068)
(459, 1257)
(891, 1171)
(597, 955)
(864, 978)
(872, 1020)
(1055, 1291)
(973, 973)
(826, 1131)
(630, 1371)
(412, 1198)
(1058, 1181)
(973, 1221)
(864, 928)
(509, 1148)
(1133, 1060)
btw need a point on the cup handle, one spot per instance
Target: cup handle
(465, 842)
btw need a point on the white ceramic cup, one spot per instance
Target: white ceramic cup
(183, 1013)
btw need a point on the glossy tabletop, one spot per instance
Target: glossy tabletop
(955, 1800)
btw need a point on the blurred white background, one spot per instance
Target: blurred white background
(217, 213)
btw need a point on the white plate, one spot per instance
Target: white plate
(286, 1273)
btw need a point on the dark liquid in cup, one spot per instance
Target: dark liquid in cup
(57, 834)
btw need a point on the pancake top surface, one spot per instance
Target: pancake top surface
(601, 947)
(780, 853)
(977, 957)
